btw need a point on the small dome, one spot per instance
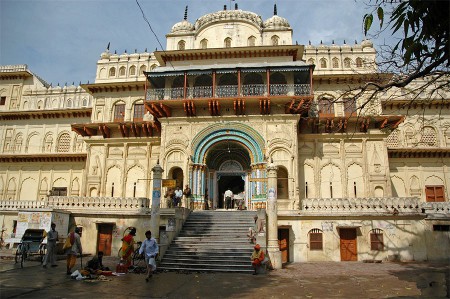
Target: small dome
(367, 43)
(276, 22)
(105, 55)
(182, 27)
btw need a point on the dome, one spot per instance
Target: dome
(229, 15)
(105, 55)
(276, 22)
(182, 27)
(367, 44)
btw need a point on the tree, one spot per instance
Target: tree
(423, 47)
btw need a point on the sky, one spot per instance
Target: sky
(61, 40)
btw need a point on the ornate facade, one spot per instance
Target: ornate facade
(229, 94)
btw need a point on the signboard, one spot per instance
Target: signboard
(258, 180)
(41, 220)
(169, 183)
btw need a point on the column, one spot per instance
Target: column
(156, 200)
(272, 220)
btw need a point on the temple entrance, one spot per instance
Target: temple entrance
(233, 182)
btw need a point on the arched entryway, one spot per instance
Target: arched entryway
(228, 156)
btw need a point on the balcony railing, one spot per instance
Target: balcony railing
(102, 203)
(228, 91)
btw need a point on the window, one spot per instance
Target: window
(119, 112)
(251, 42)
(59, 191)
(204, 44)
(311, 61)
(441, 228)
(132, 70)
(349, 106)
(359, 62)
(181, 45)
(142, 69)
(63, 143)
(323, 63)
(347, 63)
(429, 137)
(434, 193)
(2, 101)
(335, 63)
(275, 39)
(122, 71)
(315, 239)
(85, 102)
(393, 139)
(139, 112)
(112, 72)
(227, 42)
(326, 106)
(376, 239)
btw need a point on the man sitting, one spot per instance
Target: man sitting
(95, 265)
(257, 258)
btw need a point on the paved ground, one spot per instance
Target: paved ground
(302, 280)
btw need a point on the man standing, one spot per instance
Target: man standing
(187, 195)
(178, 196)
(52, 238)
(150, 248)
(228, 197)
(74, 249)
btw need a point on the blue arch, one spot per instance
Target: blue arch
(231, 134)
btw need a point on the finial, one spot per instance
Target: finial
(145, 50)
(224, 7)
(73, 83)
(275, 9)
(309, 43)
(332, 42)
(125, 51)
(107, 48)
(88, 82)
(185, 13)
(320, 41)
(296, 42)
(79, 84)
(356, 41)
(115, 51)
(135, 50)
(156, 49)
(58, 83)
(235, 6)
(65, 84)
(344, 42)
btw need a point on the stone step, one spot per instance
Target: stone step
(204, 269)
(206, 256)
(204, 266)
(215, 260)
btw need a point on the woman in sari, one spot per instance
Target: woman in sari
(128, 247)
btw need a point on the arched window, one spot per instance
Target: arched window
(359, 62)
(112, 72)
(393, 140)
(18, 143)
(204, 43)
(69, 103)
(142, 69)
(84, 102)
(315, 239)
(152, 67)
(429, 137)
(349, 106)
(311, 61)
(282, 183)
(63, 143)
(119, 112)
(347, 63)
(275, 39)
(335, 63)
(323, 63)
(132, 70)
(376, 239)
(251, 41)
(181, 45)
(227, 42)
(326, 106)
(122, 71)
(139, 112)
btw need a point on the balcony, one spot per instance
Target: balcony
(228, 91)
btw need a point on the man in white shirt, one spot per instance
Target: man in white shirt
(150, 249)
(228, 197)
(178, 196)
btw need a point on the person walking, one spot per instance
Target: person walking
(52, 238)
(228, 198)
(150, 250)
(128, 247)
(74, 249)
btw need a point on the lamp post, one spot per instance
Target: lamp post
(272, 235)
(156, 200)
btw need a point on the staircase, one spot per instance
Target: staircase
(212, 241)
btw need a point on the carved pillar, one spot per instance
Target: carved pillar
(272, 220)
(156, 200)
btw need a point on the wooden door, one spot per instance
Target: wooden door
(283, 243)
(348, 247)
(104, 238)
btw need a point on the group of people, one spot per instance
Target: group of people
(149, 249)
(174, 196)
(232, 200)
